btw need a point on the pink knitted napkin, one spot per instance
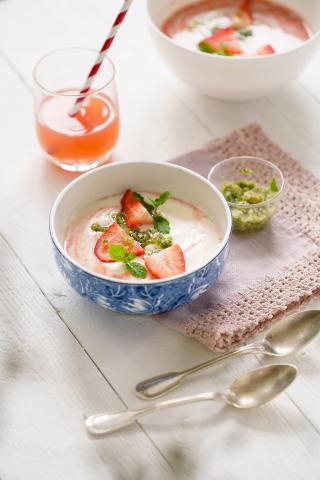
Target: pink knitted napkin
(267, 274)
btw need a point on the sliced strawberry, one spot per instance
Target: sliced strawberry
(115, 234)
(224, 35)
(246, 7)
(224, 40)
(137, 215)
(167, 263)
(266, 50)
(233, 49)
(244, 14)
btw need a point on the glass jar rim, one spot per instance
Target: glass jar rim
(259, 159)
(74, 95)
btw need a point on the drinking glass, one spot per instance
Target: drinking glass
(85, 140)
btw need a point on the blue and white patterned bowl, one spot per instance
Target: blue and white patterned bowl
(149, 297)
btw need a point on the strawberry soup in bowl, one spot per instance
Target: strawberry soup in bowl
(141, 237)
(236, 49)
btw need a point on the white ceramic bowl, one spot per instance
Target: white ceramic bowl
(234, 78)
(147, 297)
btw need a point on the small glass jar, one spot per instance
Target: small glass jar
(249, 217)
(86, 140)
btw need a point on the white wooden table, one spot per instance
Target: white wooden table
(62, 358)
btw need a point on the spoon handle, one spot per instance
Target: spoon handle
(110, 422)
(156, 386)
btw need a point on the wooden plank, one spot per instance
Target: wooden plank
(223, 117)
(223, 439)
(48, 383)
(309, 79)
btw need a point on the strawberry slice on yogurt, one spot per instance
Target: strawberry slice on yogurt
(167, 263)
(223, 41)
(115, 235)
(136, 214)
(266, 50)
(244, 15)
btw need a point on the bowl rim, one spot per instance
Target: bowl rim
(221, 58)
(96, 171)
(262, 160)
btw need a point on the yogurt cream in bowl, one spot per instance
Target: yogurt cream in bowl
(173, 269)
(236, 49)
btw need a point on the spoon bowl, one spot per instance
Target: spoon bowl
(260, 386)
(286, 337)
(252, 390)
(292, 333)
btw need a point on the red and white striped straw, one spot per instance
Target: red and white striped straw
(103, 52)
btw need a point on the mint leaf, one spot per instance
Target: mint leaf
(274, 186)
(141, 199)
(206, 48)
(161, 224)
(223, 50)
(245, 32)
(117, 252)
(129, 257)
(136, 269)
(162, 199)
(120, 254)
(95, 227)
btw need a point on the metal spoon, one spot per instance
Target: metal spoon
(252, 390)
(286, 337)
